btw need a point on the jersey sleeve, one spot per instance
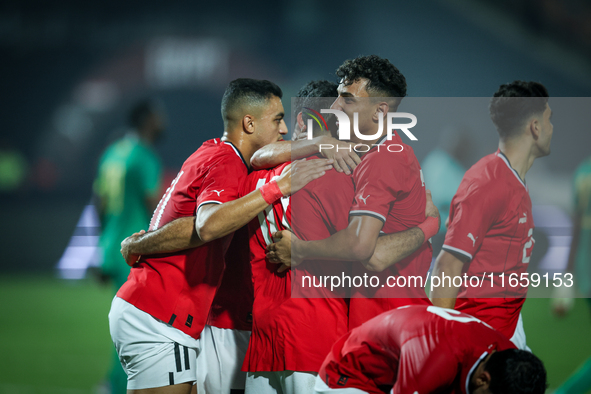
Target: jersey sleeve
(378, 183)
(221, 184)
(472, 213)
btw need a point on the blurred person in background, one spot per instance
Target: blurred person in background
(127, 190)
(444, 168)
(579, 264)
(13, 167)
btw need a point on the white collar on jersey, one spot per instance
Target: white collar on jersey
(236, 151)
(472, 370)
(506, 160)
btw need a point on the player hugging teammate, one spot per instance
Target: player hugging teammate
(191, 291)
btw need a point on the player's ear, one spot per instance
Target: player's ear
(482, 381)
(381, 110)
(300, 120)
(535, 128)
(248, 123)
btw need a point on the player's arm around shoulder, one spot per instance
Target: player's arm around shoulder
(392, 248)
(344, 157)
(218, 220)
(180, 234)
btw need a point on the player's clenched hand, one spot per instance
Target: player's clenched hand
(431, 209)
(126, 246)
(344, 156)
(296, 175)
(280, 251)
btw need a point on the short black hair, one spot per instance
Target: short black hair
(247, 91)
(385, 80)
(309, 94)
(516, 371)
(514, 103)
(320, 88)
(141, 112)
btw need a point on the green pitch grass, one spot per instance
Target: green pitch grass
(54, 336)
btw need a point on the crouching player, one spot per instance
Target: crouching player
(426, 349)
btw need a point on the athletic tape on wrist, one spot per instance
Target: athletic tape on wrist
(271, 192)
(430, 227)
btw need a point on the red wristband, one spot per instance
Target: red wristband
(429, 227)
(271, 192)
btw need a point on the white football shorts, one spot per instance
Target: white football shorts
(152, 353)
(285, 382)
(220, 361)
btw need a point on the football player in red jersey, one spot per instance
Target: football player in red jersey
(389, 198)
(421, 349)
(159, 313)
(490, 223)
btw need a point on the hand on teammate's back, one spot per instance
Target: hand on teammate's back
(344, 156)
(130, 258)
(299, 173)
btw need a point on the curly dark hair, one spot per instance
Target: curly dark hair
(516, 371)
(514, 103)
(385, 80)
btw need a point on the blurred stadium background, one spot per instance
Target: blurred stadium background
(70, 70)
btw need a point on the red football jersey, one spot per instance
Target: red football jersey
(413, 349)
(389, 186)
(295, 333)
(491, 224)
(178, 288)
(232, 305)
